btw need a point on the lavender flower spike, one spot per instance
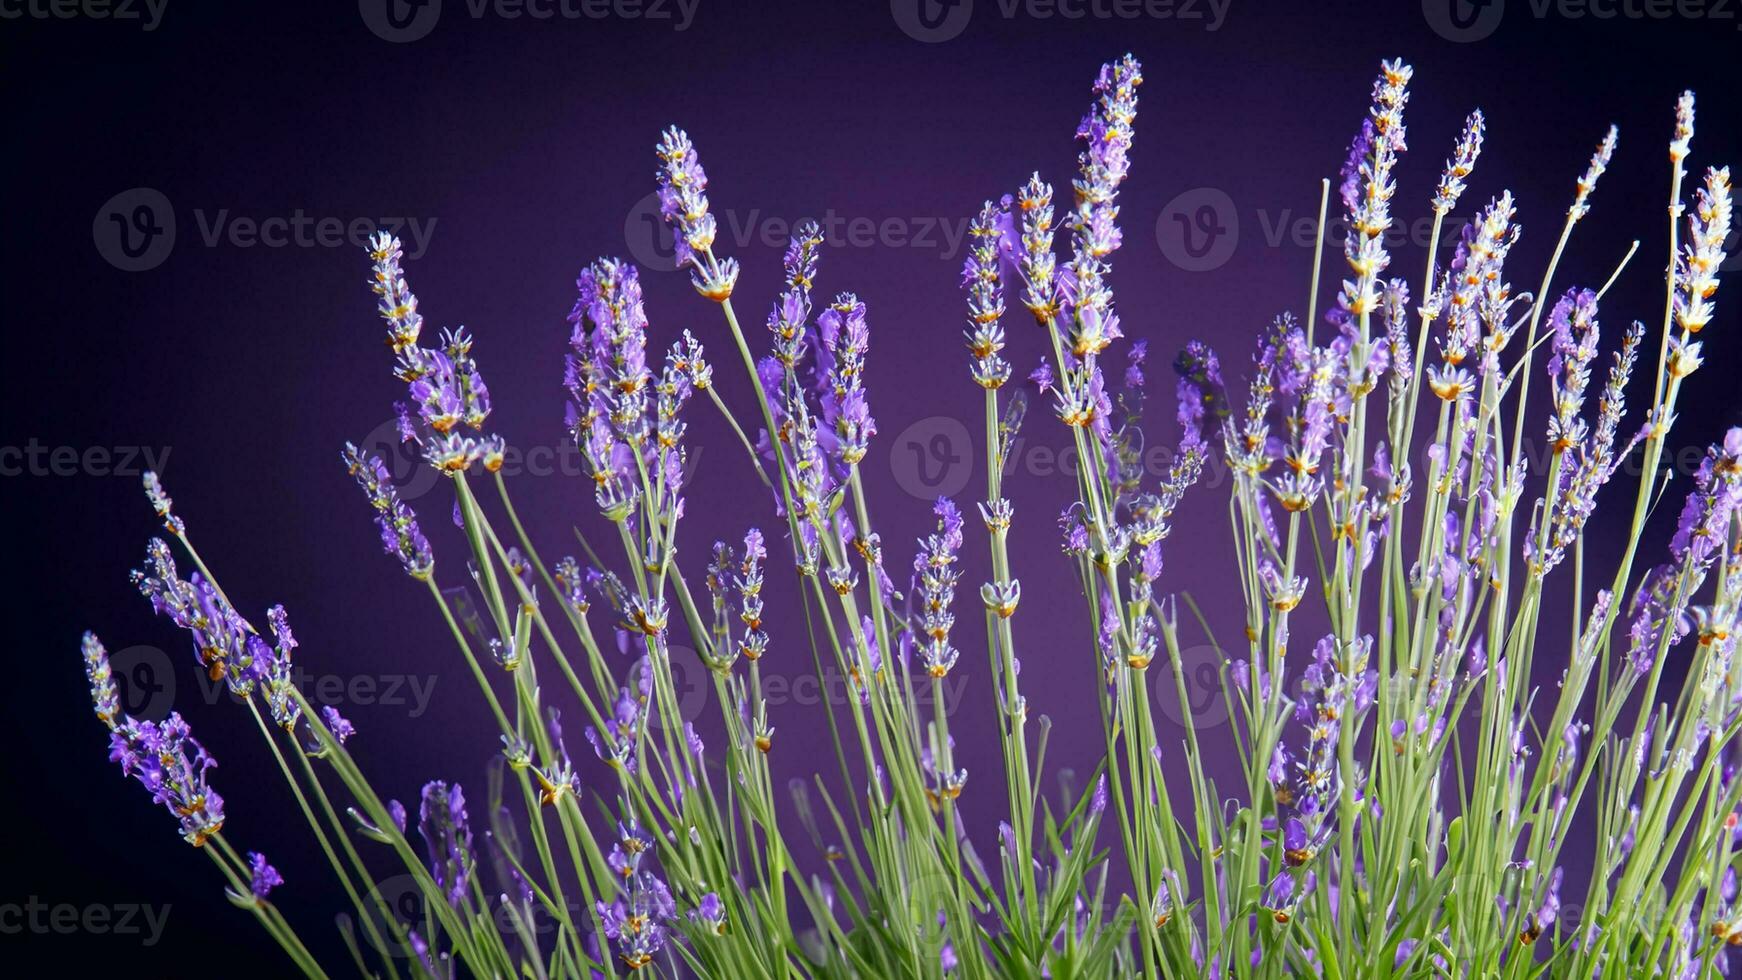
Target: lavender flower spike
(1696, 271)
(1462, 163)
(263, 877)
(981, 278)
(448, 835)
(683, 202)
(169, 763)
(400, 535)
(102, 678)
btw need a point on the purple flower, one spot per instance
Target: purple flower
(401, 536)
(447, 834)
(168, 762)
(342, 730)
(683, 203)
(444, 388)
(711, 913)
(1202, 396)
(102, 680)
(263, 877)
(1705, 515)
(636, 922)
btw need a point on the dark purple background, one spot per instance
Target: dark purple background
(529, 143)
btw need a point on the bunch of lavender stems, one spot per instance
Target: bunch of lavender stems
(1417, 801)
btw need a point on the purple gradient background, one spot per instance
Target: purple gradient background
(530, 144)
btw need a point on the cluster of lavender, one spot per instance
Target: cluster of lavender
(1415, 803)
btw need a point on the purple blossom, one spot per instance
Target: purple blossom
(263, 877)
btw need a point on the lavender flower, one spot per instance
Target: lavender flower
(1696, 269)
(1461, 164)
(102, 678)
(935, 577)
(263, 877)
(447, 834)
(683, 202)
(172, 765)
(845, 338)
(983, 280)
(444, 390)
(401, 536)
(636, 921)
(227, 647)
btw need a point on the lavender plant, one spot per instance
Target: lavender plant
(1419, 798)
